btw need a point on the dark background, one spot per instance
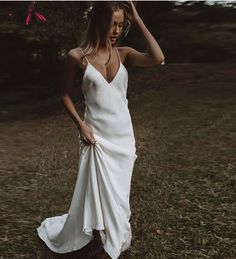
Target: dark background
(32, 57)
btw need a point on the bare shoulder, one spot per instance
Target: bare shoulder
(74, 56)
(124, 51)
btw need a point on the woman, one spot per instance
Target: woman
(100, 204)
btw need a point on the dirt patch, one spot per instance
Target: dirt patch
(182, 187)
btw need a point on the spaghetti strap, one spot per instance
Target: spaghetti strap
(116, 51)
(83, 53)
(84, 56)
(118, 54)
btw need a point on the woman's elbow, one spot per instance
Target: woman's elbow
(162, 61)
(64, 96)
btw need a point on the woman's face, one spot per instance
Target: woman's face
(116, 25)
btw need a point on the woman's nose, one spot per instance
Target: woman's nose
(116, 30)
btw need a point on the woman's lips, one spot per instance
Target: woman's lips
(113, 38)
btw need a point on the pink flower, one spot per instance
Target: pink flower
(28, 18)
(31, 11)
(40, 17)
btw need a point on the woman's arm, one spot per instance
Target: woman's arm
(154, 56)
(71, 63)
(71, 68)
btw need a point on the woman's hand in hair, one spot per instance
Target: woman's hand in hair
(132, 12)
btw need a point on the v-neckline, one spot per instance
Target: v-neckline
(109, 83)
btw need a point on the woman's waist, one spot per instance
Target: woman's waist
(108, 118)
(115, 125)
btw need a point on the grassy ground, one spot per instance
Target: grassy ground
(183, 181)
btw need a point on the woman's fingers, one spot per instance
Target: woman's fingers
(85, 140)
(89, 140)
(93, 138)
(87, 135)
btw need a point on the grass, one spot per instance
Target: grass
(182, 193)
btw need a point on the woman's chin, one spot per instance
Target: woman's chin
(113, 41)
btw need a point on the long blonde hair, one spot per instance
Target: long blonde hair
(98, 18)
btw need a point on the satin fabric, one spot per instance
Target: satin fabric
(101, 198)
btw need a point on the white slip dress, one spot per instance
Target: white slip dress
(101, 198)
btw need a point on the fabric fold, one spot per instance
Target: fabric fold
(102, 190)
(98, 203)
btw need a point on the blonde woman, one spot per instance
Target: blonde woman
(100, 207)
